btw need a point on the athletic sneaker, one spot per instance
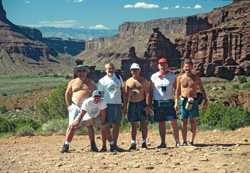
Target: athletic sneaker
(177, 145)
(93, 147)
(132, 147)
(162, 146)
(144, 145)
(65, 148)
(104, 149)
(114, 147)
(184, 144)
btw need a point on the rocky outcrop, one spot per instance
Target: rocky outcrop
(158, 47)
(195, 24)
(168, 26)
(21, 54)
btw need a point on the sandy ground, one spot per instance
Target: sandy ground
(214, 151)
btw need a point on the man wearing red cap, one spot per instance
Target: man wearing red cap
(162, 87)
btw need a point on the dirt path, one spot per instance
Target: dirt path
(214, 152)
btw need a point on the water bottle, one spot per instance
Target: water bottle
(189, 103)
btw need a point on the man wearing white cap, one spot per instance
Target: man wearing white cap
(81, 88)
(137, 90)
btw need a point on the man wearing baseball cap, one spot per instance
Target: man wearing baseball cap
(80, 88)
(137, 90)
(162, 87)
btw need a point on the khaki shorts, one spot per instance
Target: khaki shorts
(96, 122)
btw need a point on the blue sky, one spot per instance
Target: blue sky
(101, 14)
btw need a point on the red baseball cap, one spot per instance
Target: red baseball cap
(163, 60)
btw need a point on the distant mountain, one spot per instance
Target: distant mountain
(83, 34)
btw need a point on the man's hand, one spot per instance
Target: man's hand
(205, 104)
(75, 124)
(147, 110)
(68, 107)
(124, 110)
(176, 107)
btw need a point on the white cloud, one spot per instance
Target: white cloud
(177, 6)
(77, 1)
(197, 6)
(141, 5)
(57, 24)
(165, 8)
(128, 6)
(98, 27)
(27, 2)
(189, 7)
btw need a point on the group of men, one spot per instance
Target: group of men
(102, 105)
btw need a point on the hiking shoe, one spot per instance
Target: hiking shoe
(144, 145)
(65, 148)
(191, 143)
(93, 148)
(184, 144)
(104, 149)
(177, 144)
(132, 147)
(115, 148)
(162, 146)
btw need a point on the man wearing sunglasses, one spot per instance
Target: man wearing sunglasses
(80, 88)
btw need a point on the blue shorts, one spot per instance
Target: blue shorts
(135, 111)
(194, 112)
(114, 113)
(164, 113)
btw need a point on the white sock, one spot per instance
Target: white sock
(111, 143)
(133, 142)
(66, 142)
(144, 141)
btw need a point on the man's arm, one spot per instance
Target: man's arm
(68, 94)
(103, 115)
(125, 95)
(177, 93)
(79, 118)
(151, 90)
(147, 90)
(202, 92)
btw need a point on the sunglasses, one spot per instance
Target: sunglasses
(97, 97)
(81, 71)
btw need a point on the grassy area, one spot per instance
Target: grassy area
(11, 86)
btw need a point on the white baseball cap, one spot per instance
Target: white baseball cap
(135, 66)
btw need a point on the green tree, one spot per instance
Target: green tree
(56, 106)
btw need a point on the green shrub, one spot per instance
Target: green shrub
(55, 107)
(245, 86)
(222, 88)
(25, 131)
(12, 125)
(242, 79)
(4, 94)
(236, 86)
(3, 109)
(55, 126)
(220, 116)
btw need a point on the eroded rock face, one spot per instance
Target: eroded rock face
(158, 47)
(218, 51)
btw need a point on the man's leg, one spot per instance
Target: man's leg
(193, 128)
(91, 134)
(103, 138)
(162, 130)
(175, 130)
(184, 130)
(144, 129)
(70, 133)
(134, 130)
(115, 132)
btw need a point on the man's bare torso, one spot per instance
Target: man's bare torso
(188, 86)
(136, 89)
(82, 90)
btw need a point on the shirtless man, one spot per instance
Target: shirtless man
(137, 89)
(82, 88)
(187, 88)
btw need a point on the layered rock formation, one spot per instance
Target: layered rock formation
(23, 55)
(222, 52)
(158, 47)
